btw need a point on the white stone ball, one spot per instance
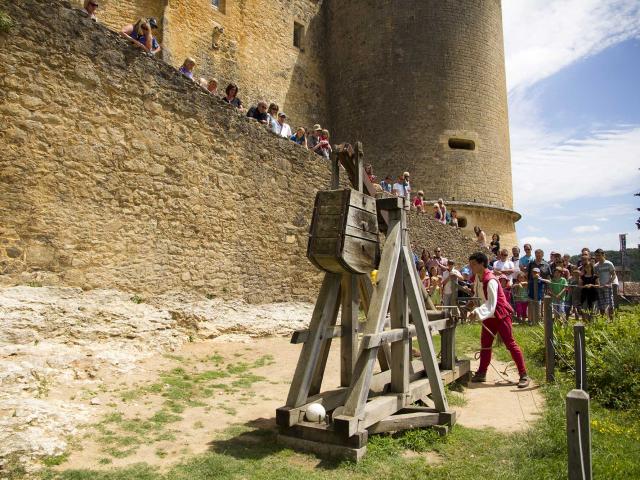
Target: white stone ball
(315, 413)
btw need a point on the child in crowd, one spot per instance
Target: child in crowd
(558, 287)
(418, 201)
(436, 287)
(521, 297)
(369, 171)
(300, 137)
(454, 219)
(575, 294)
(506, 287)
(187, 68)
(323, 145)
(424, 277)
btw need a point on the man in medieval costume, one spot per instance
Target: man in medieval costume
(495, 314)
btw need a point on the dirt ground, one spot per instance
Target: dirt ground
(256, 405)
(104, 379)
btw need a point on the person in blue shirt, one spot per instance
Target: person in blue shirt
(387, 184)
(300, 137)
(526, 258)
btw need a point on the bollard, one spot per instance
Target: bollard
(549, 349)
(579, 348)
(578, 435)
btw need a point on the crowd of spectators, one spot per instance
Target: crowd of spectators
(141, 35)
(580, 289)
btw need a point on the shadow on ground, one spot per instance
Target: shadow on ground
(258, 442)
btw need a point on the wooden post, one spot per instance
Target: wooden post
(578, 435)
(349, 322)
(448, 348)
(536, 304)
(358, 160)
(412, 286)
(549, 349)
(335, 171)
(359, 388)
(400, 351)
(580, 356)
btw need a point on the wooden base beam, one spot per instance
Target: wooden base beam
(325, 450)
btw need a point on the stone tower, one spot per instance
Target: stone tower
(422, 84)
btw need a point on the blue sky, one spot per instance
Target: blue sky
(573, 75)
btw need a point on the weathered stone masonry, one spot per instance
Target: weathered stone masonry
(116, 171)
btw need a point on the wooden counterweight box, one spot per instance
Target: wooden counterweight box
(344, 232)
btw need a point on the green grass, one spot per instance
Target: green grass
(538, 453)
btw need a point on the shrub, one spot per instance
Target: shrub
(6, 23)
(613, 359)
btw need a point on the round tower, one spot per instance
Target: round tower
(422, 84)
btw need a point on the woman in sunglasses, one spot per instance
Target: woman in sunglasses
(90, 7)
(140, 35)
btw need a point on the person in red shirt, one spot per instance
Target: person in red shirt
(418, 201)
(495, 314)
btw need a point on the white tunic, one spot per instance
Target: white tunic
(488, 307)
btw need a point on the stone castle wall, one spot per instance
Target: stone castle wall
(255, 49)
(405, 81)
(119, 172)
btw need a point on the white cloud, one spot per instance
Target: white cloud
(604, 163)
(532, 229)
(585, 229)
(537, 241)
(542, 37)
(602, 219)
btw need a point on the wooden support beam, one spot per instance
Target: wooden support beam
(399, 317)
(359, 388)
(301, 336)
(366, 291)
(323, 357)
(323, 449)
(408, 419)
(448, 348)
(322, 317)
(391, 336)
(349, 320)
(420, 319)
(322, 432)
(549, 348)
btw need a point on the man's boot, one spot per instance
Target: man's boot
(479, 377)
(524, 381)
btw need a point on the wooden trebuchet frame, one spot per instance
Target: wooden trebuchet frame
(366, 402)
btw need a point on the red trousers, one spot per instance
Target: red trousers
(502, 327)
